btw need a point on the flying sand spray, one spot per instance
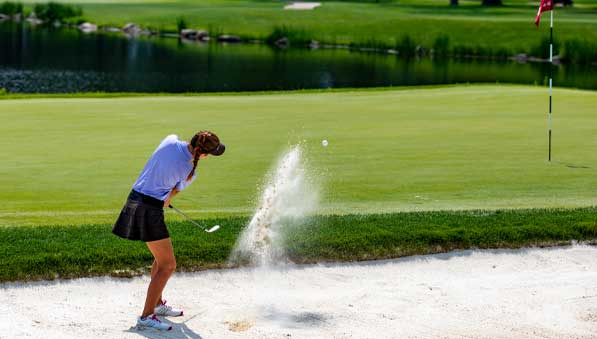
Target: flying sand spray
(288, 197)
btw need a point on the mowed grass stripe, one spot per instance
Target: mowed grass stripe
(468, 147)
(49, 252)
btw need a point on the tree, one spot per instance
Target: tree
(453, 2)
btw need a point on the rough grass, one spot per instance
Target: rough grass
(68, 251)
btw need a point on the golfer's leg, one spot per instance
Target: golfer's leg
(166, 264)
(154, 270)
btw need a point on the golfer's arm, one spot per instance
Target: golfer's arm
(173, 193)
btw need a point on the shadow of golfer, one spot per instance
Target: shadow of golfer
(179, 330)
(296, 320)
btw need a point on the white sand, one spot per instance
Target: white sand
(302, 5)
(536, 293)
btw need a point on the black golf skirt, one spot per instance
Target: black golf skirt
(141, 219)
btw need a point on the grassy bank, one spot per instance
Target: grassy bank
(72, 161)
(49, 252)
(469, 29)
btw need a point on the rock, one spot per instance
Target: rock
(282, 42)
(193, 34)
(131, 29)
(420, 51)
(33, 20)
(87, 27)
(189, 34)
(314, 44)
(203, 35)
(4, 17)
(522, 57)
(17, 17)
(229, 38)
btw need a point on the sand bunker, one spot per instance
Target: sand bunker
(301, 6)
(535, 293)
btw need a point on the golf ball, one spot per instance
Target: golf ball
(324, 143)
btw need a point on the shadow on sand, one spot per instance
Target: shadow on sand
(179, 330)
(295, 320)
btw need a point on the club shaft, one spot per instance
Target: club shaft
(186, 216)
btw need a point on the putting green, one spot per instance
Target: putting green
(73, 160)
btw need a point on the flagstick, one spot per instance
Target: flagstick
(550, 76)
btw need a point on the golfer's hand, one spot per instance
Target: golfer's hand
(170, 196)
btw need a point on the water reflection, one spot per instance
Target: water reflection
(65, 60)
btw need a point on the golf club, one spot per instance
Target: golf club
(213, 229)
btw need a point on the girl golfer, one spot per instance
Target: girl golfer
(169, 170)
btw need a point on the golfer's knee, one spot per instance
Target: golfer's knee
(167, 266)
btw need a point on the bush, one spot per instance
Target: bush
(215, 30)
(297, 36)
(406, 47)
(502, 53)
(53, 11)
(3, 91)
(181, 23)
(541, 50)
(580, 51)
(11, 8)
(370, 43)
(441, 45)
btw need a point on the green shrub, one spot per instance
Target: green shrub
(296, 36)
(3, 91)
(11, 8)
(53, 11)
(541, 50)
(579, 51)
(181, 23)
(441, 45)
(215, 30)
(371, 43)
(406, 47)
(463, 50)
(502, 53)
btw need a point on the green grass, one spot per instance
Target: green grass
(471, 28)
(475, 154)
(49, 252)
(72, 161)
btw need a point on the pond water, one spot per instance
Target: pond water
(36, 60)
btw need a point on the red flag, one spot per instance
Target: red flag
(546, 5)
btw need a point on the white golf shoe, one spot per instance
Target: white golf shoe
(167, 311)
(152, 321)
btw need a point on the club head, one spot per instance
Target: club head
(213, 229)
